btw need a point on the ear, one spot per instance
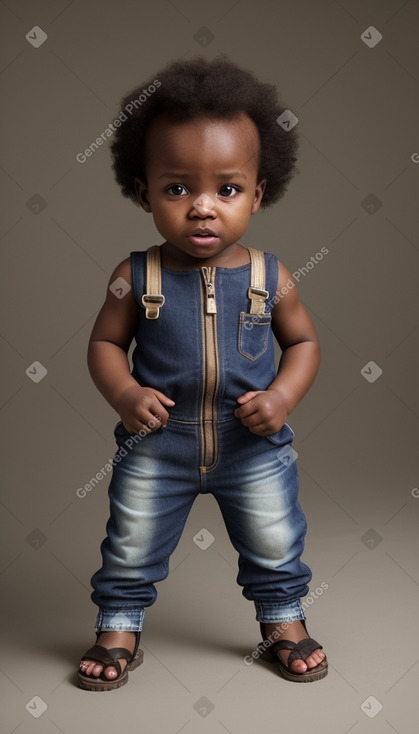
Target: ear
(259, 191)
(141, 190)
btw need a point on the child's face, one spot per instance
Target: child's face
(201, 174)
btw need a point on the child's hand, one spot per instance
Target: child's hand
(141, 408)
(262, 411)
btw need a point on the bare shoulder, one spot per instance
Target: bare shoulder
(290, 320)
(116, 321)
(286, 287)
(123, 270)
(120, 292)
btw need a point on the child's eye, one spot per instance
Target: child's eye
(228, 190)
(176, 190)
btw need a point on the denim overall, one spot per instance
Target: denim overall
(204, 350)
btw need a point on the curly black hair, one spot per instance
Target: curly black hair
(219, 89)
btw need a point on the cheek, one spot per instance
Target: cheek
(159, 207)
(166, 217)
(244, 211)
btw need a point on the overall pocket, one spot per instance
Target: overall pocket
(282, 437)
(253, 334)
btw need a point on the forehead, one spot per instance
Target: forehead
(202, 141)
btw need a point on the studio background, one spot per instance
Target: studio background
(65, 227)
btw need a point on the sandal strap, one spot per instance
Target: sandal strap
(107, 658)
(282, 645)
(299, 650)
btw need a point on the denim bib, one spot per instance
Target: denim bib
(175, 353)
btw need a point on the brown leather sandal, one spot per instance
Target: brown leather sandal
(109, 658)
(299, 651)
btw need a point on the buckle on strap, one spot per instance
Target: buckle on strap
(153, 299)
(257, 293)
(152, 303)
(258, 297)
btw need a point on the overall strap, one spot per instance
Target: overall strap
(257, 292)
(153, 299)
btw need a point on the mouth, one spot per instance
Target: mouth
(202, 232)
(203, 236)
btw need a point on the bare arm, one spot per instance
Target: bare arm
(297, 338)
(107, 359)
(265, 411)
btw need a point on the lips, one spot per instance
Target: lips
(203, 236)
(202, 232)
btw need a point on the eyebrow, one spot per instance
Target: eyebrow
(224, 175)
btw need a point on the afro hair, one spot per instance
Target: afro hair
(196, 88)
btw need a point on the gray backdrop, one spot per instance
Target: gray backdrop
(349, 71)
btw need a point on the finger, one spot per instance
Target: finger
(245, 410)
(252, 420)
(139, 428)
(163, 398)
(159, 415)
(247, 396)
(156, 415)
(150, 420)
(156, 422)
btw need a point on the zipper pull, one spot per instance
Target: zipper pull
(209, 275)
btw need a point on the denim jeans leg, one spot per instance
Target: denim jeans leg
(258, 497)
(150, 499)
(128, 620)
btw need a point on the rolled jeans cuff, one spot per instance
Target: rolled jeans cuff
(268, 612)
(120, 620)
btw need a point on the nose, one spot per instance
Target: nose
(204, 205)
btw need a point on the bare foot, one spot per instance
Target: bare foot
(109, 640)
(295, 632)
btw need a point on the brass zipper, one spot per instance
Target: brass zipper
(209, 443)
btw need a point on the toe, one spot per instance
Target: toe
(315, 658)
(84, 664)
(96, 670)
(86, 667)
(298, 666)
(301, 666)
(111, 673)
